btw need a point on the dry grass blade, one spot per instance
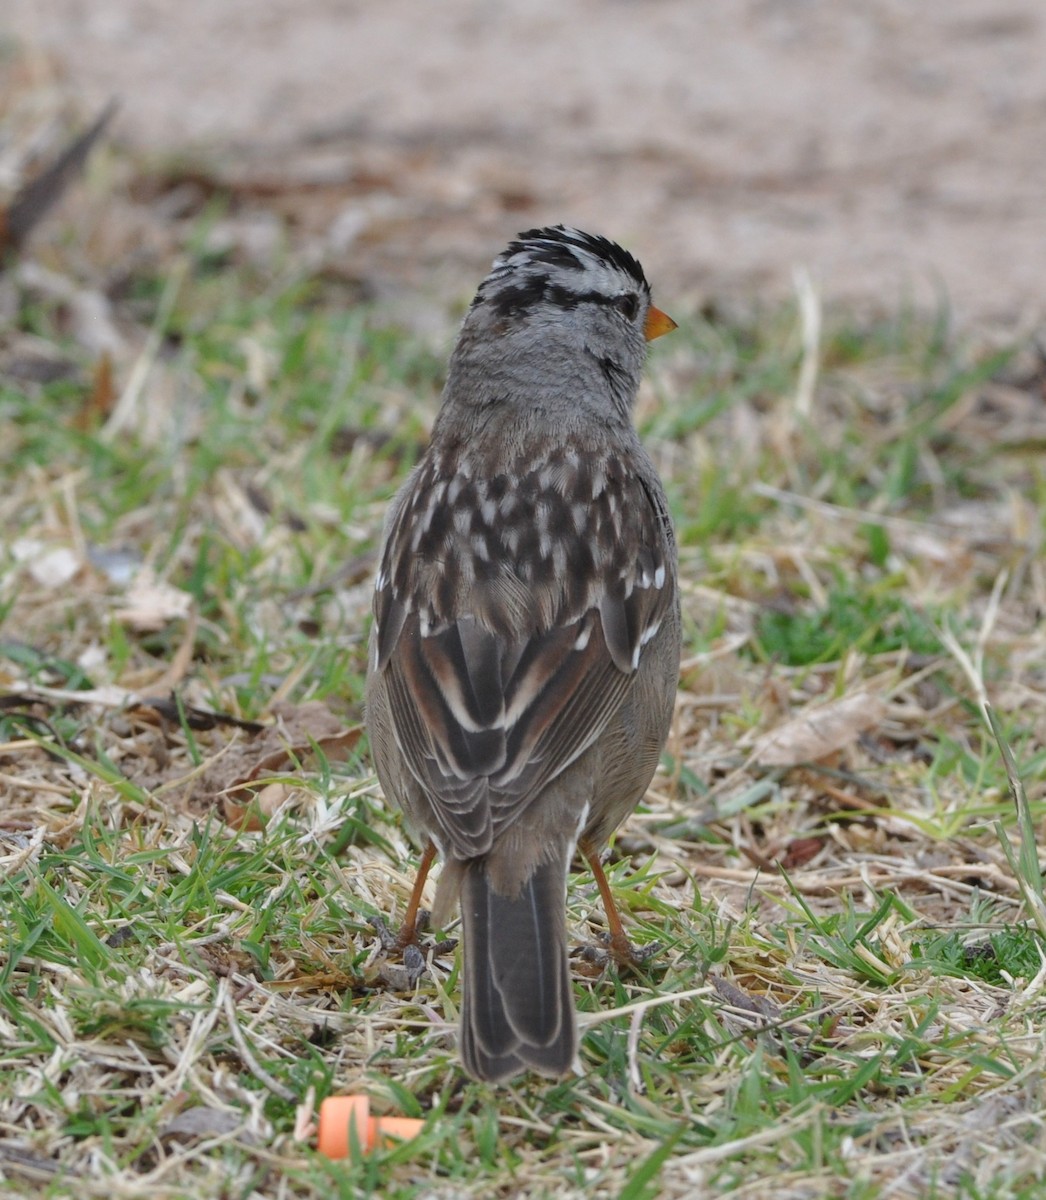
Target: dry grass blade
(1025, 864)
(810, 319)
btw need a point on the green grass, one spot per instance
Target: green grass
(866, 620)
(848, 1000)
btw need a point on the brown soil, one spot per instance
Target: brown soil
(895, 151)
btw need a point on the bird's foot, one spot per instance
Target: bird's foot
(618, 949)
(407, 946)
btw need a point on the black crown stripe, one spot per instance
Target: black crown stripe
(551, 246)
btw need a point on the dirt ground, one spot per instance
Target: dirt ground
(896, 151)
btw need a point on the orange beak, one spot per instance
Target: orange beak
(657, 323)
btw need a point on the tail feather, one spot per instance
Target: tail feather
(517, 1007)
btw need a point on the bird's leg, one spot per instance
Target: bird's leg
(405, 943)
(415, 917)
(620, 948)
(408, 934)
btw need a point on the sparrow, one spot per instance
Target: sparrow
(524, 653)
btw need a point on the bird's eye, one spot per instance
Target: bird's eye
(627, 304)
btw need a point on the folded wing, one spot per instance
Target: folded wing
(510, 631)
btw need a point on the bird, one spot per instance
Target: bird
(525, 644)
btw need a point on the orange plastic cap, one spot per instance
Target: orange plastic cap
(345, 1117)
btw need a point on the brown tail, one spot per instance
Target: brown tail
(517, 1009)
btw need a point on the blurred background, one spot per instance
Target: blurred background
(893, 150)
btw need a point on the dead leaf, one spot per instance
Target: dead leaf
(202, 1121)
(50, 566)
(819, 732)
(238, 776)
(253, 814)
(150, 604)
(742, 1001)
(801, 851)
